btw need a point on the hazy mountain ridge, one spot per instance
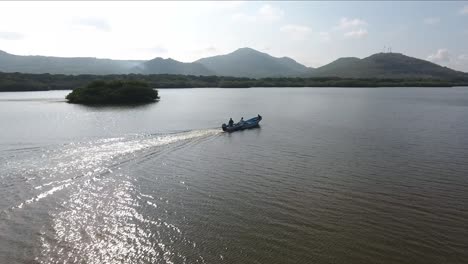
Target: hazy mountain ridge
(385, 65)
(61, 65)
(247, 62)
(170, 66)
(244, 62)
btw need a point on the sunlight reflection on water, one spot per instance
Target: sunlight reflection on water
(100, 221)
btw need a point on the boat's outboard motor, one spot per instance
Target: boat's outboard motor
(224, 127)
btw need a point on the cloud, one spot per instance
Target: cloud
(270, 13)
(10, 35)
(353, 27)
(296, 31)
(442, 55)
(92, 22)
(464, 10)
(266, 13)
(357, 33)
(431, 20)
(447, 58)
(347, 23)
(460, 62)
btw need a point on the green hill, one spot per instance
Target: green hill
(386, 66)
(247, 62)
(244, 62)
(170, 66)
(58, 65)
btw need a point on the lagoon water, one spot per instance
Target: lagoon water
(334, 175)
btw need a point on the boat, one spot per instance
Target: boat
(250, 123)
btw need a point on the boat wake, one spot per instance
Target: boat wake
(88, 202)
(58, 168)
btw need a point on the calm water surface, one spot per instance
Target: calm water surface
(332, 176)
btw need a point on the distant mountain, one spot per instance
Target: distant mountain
(170, 66)
(58, 65)
(385, 65)
(244, 62)
(247, 62)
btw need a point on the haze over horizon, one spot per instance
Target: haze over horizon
(312, 33)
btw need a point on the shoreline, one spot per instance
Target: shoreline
(16, 82)
(276, 87)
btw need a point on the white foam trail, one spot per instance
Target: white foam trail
(61, 166)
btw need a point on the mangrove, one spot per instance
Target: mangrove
(101, 92)
(45, 82)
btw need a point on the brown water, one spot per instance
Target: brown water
(332, 176)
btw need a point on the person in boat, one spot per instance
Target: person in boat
(231, 122)
(242, 120)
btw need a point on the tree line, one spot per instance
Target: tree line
(44, 82)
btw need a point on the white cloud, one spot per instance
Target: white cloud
(266, 13)
(449, 59)
(356, 33)
(296, 31)
(459, 63)
(446, 58)
(464, 10)
(442, 55)
(270, 13)
(131, 29)
(347, 23)
(10, 35)
(431, 20)
(93, 23)
(352, 27)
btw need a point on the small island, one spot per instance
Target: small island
(114, 92)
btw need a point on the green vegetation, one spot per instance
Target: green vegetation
(59, 65)
(113, 92)
(385, 66)
(44, 82)
(244, 62)
(170, 66)
(247, 62)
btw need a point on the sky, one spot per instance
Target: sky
(312, 33)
